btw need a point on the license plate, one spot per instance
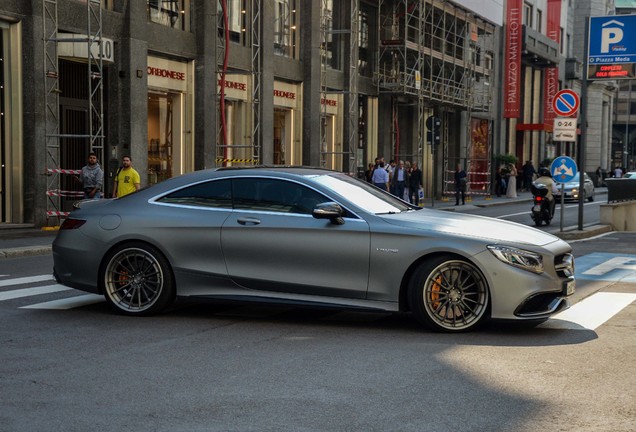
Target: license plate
(536, 208)
(569, 287)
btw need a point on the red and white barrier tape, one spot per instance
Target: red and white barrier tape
(57, 214)
(58, 192)
(63, 171)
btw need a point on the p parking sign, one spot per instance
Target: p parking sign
(612, 47)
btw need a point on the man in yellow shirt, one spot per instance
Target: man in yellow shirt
(127, 179)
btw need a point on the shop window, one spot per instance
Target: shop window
(367, 45)
(331, 43)
(163, 120)
(285, 28)
(170, 13)
(237, 20)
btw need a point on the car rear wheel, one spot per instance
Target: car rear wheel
(449, 294)
(138, 280)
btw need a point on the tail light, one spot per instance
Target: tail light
(538, 198)
(71, 224)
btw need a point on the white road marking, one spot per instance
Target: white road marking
(616, 263)
(26, 292)
(26, 280)
(556, 209)
(590, 313)
(68, 303)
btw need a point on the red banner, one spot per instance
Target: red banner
(512, 67)
(551, 85)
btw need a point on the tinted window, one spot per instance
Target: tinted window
(216, 193)
(274, 195)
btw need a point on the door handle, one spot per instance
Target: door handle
(248, 221)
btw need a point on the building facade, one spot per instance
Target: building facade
(623, 151)
(547, 58)
(183, 85)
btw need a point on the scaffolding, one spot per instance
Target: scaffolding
(435, 57)
(230, 153)
(95, 84)
(347, 159)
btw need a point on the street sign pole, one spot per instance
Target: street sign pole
(583, 137)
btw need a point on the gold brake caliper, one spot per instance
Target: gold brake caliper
(435, 290)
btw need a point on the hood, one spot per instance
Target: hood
(495, 230)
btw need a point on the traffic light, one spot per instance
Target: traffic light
(433, 124)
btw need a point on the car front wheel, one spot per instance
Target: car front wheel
(449, 294)
(138, 280)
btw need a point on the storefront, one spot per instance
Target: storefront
(170, 118)
(287, 142)
(11, 140)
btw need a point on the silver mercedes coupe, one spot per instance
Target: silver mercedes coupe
(314, 237)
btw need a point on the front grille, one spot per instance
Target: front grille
(564, 265)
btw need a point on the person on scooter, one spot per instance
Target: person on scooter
(546, 179)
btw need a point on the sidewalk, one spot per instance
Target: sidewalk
(17, 240)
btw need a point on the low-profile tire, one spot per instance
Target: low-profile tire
(449, 294)
(137, 280)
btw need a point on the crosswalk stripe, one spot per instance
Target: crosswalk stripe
(25, 280)
(590, 313)
(68, 303)
(26, 292)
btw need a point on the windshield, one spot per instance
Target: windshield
(363, 195)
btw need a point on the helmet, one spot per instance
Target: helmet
(544, 172)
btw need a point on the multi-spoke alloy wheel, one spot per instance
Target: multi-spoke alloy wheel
(138, 280)
(449, 294)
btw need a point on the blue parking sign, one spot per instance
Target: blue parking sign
(612, 39)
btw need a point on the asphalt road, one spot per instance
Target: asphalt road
(225, 367)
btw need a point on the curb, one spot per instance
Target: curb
(585, 233)
(25, 251)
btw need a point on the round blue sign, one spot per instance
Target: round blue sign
(563, 169)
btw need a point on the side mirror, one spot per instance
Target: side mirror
(331, 211)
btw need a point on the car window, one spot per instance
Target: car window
(364, 195)
(264, 194)
(215, 193)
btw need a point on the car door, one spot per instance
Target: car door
(192, 218)
(271, 242)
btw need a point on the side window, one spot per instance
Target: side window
(215, 193)
(274, 195)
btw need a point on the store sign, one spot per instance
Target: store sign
(552, 74)
(79, 50)
(512, 65)
(285, 95)
(235, 86)
(167, 74)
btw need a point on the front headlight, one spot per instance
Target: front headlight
(523, 259)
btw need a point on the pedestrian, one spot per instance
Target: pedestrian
(415, 183)
(369, 172)
(92, 178)
(500, 181)
(599, 176)
(528, 175)
(399, 179)
(460, 184)
(127, 179)
(381, 177)
(511, 191)
(618, 172)
(390, 168)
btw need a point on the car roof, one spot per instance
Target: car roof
(209, 174)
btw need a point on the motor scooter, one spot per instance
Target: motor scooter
(541, 211)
